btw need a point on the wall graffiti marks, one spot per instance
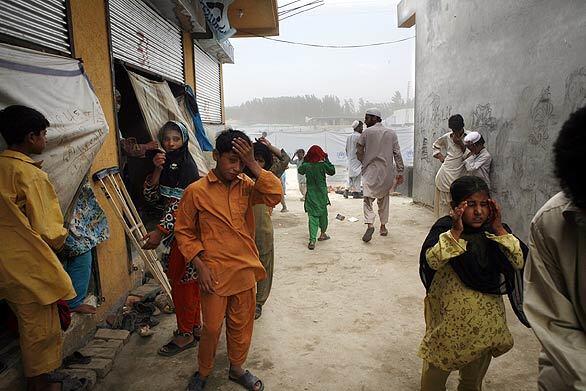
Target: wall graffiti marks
(482, 119)
(424, 150)
(575, 96)
(540, 116)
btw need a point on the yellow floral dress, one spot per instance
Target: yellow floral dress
(463, 324)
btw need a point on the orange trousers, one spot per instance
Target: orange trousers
(185, 295)
(238, 310)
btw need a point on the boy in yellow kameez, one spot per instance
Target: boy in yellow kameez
(32, 279)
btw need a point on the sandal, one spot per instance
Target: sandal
(311, 246)
(257, 312)
(196, 383)
(367, 237)
(384, 232)
(323, 237)
(171, 348)
(248, 381)
(196, 332)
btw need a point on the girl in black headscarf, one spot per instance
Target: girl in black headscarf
(468, 261)
(175, 169)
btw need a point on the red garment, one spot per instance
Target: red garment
(185, 295)
(315, 154)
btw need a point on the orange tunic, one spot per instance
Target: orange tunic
(216, 222)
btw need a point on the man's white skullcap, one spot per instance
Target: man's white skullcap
(355, 124)
(472, 138)
(375, 112)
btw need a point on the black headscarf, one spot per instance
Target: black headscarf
(483, 267)
(180, 170)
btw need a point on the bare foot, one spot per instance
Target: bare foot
(85, 309)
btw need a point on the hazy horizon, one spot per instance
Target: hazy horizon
(266, 69)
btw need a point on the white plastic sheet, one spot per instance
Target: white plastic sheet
(57, 87)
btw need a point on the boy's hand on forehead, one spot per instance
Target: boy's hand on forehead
(246, 153)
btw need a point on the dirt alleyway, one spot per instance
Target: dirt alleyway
(347, 316)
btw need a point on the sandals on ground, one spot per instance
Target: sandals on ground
(171, 348)
(248, 381)
(196, 383)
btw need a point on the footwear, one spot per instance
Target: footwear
(248, 381)
(323, 237)
(284, 210)
(357, 195)
(346, 194)
(76, 358)
(311, 246)
(172, 348)
(257, 311)
(384, 232)
(196, 383)
(367, 237)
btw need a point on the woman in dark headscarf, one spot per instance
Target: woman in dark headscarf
(175, 169)
(468, 261)
(315, 167)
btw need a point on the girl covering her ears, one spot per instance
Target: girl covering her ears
(175, 169)
(468, 261)
(315, 166)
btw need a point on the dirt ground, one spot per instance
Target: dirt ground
(347, 316)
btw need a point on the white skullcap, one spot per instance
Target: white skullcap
(355, 124)
(472, 138)
(375, 112)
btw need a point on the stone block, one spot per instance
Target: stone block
(99, 352)
(115, 344)
(88, 374)
(108, 334)
(150, 290)
(101, 366)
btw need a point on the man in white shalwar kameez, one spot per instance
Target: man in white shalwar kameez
(452, 168)
(478, 161)
(380, 154)
(354, 165)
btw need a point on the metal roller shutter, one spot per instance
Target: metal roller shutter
(208, 90)
(43, 22)
(142, 37)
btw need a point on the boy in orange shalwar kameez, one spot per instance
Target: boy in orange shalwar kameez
(215, 230)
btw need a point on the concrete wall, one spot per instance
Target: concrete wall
(515, 70)
(90, 35)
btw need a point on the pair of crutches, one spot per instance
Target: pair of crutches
(113, 187)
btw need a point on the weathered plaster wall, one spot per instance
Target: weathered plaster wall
(515, 70)
(90, 37)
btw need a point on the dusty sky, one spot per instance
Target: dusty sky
(266, 69)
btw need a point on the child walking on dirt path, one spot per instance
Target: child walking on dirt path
(468, 261)
(315, 167)
(175, 169)
(215, 231)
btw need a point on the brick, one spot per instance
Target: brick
(101, 366)
(102, 343)
(99, 352)
(146, 290)
(88, 374)
(108, 334)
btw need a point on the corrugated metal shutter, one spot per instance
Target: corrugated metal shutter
(142, 37)
(208, 90)
(43, 22)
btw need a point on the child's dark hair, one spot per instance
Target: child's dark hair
(263, 151)
(465, 186)
(569, 158)
(17, 121)
(225, 138)
(456, 122)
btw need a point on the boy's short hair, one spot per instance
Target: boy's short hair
(17, 121)
(456, 122)
(225, 138)
(569, 158)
